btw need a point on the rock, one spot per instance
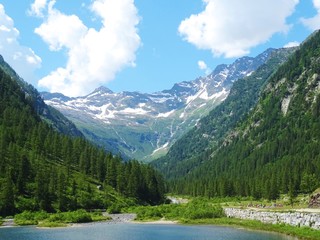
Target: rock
(298, 219)
(314, 201)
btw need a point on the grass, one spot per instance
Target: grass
(43, 219)
(301, 233)
(195, 209)
(208, 211)
(48, 224)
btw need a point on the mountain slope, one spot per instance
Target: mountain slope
(49, 114)
(41, 169)
(195, 146)
(276, 148)
(144, 126)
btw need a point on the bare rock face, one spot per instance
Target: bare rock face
(314, 201)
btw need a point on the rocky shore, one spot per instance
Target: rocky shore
(297, 219)
(121, 218)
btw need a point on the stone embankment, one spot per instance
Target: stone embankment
(298, 219)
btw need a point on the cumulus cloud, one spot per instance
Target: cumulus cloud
(314, 22)
(37, 8)
(94, 56)
(291, 44)
(231, 27)
(203, 66)
(21, 58)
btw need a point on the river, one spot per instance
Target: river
(132, 231)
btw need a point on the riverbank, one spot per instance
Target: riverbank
(193, 212)
(205, 211)
(7, 223)
(161, 221)
(292, 218)
(300, 233)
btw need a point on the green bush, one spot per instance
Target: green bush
(79, 216)
(30, 218)
(34, 218)
(195, 209)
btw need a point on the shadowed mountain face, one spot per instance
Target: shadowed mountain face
(273, 149)
(144, 126)
(53, 117)
(195, 146)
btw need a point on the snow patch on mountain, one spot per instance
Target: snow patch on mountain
(141, 124)
(165, 146)
(165, 115)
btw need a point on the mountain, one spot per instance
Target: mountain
(275, 149)
(191, 149)
(144, 126)
(57, 120)
(44, 170)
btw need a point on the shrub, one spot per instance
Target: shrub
(30, 218)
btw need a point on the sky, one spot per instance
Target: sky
(75, 46)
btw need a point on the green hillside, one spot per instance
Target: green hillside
(196, 146)
(276, 148)
(41, 169)
(53, 117)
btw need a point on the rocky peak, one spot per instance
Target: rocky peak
(102, 90)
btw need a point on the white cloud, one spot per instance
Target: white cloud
(37, 8)
(60, 30)
(21, 58)
(291, 44)
(232, 27)
(203, 66)
(94, 56)
(314, 22)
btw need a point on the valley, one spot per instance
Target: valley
(144, 126)
(239, 143)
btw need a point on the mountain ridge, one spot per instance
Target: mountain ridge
(143, 125)
(42, 169)
(211, 129)
(53, 117)
(275, 149)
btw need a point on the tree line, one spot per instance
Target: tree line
(41, 169)
(275, 149)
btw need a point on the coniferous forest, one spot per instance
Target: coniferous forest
(275, 149)
(42, 169)
(266, 140)
(196, 145)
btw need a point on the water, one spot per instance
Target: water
(105, 231)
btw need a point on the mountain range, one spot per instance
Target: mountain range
(144, 126)
(189, 152)
(255, 132)
(44, 169)
(273, 149)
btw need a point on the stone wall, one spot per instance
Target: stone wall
(298, 219)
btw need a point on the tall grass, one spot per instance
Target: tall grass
(195, 209)
(57, 219)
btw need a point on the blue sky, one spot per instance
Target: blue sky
(74, 46)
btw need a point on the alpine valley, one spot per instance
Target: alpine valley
(47, 165)
(144, 126)
(270, 149)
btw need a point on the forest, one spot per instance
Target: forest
(42, 169)
(275, 149)
(196, 146)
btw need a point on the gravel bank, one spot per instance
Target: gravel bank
(121, 218)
